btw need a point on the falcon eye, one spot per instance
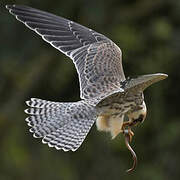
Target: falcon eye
(140, 119)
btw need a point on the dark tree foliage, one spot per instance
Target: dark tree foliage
(148, 32)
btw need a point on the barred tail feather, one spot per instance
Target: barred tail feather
(60, 125)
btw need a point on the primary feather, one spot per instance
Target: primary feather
(97, 59)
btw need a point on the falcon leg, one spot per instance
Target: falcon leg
(129, 131)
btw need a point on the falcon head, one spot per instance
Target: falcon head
(138, 116)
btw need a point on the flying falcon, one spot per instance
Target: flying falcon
(106, 95)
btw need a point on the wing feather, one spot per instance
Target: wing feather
(96, 58)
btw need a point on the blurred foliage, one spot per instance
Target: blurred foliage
(148, 33)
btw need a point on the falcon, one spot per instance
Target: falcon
(107, 97)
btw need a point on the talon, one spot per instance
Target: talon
(128, 131)
(131, 134)
(127, 123)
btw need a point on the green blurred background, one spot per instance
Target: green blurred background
(148, 32)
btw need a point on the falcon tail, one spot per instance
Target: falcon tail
(60, 125)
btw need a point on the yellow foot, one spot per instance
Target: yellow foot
(131, 134)
(127, 131)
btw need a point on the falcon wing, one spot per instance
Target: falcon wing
(140, 83)
(132, 86)
(96, 58)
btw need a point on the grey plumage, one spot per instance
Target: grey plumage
(61, 125)
(132, 88)
(103, 85)
(96, 58)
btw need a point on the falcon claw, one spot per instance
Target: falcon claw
(131, 134)
(127, 131)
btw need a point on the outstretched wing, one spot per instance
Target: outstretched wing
(61, 125)
(140, 83)
(100, 69)
(97, 59)
(132, 86)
